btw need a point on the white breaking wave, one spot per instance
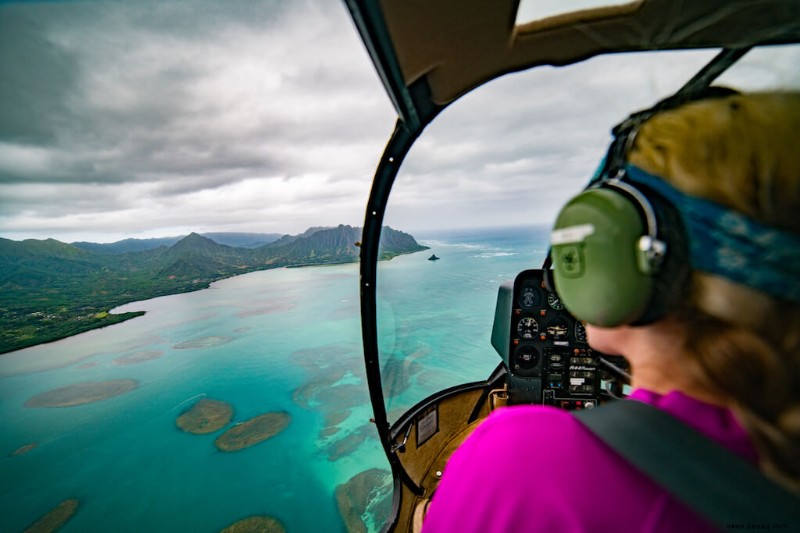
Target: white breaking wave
(489, 255)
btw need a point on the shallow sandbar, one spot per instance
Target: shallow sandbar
(203, 342)
(81, 393)
(138, 357)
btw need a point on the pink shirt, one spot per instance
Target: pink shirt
(536, 468)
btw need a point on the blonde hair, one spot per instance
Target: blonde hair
(740, 151)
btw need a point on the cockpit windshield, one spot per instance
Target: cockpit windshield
(481, 188)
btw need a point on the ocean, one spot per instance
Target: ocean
(285, 340)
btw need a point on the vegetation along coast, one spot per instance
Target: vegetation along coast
(50, 290)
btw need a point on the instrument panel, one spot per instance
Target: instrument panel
(545, 348)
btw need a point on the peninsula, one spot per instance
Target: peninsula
(50, 290)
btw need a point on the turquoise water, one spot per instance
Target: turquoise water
(279, 340)
(435, 317)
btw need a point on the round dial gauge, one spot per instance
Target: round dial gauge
(558, 330)
(580, 331)
(528, 298)
(554, 301)
(527, 328)
(526, 358)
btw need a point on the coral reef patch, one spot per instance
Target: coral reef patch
(253, 431)
(206, 416)
(255, 524)
(25, 448)
(55, 518)
(365, 499)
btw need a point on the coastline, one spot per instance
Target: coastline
(110, 318)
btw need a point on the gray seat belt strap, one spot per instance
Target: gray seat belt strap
(720, 486)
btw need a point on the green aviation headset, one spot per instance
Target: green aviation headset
(619, 250)
(609, 252)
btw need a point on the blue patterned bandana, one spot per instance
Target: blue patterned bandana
(731, 245)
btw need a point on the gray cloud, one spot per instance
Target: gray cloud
(36, 78)
(110, 107)
(144, 118)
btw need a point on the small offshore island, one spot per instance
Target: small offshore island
(52, 290)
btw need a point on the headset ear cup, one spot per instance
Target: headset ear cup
(670, 286)
(595, 251)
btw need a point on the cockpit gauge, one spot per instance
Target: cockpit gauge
(580, 332)
(527, 328)
(554, 301)
(558, 330)
(526, 358)
(528, 298)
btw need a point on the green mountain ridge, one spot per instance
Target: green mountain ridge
(51, 290)
(235, 239)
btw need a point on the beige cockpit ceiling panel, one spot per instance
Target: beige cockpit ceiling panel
(459, 44)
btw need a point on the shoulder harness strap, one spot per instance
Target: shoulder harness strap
(714, 482)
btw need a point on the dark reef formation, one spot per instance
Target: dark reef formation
(255, 524)
(25, 448)
(335, 387)
(253, 431)
(55, 518)
(206, 416)
(365, 495)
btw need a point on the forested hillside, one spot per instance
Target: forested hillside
(50, 290)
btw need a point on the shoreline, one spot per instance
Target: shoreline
(117, 319)
(112, 319)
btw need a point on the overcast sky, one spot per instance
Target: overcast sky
(145, 119)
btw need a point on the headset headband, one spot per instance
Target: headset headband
(653, 248)
(729, 244)
(624, 133)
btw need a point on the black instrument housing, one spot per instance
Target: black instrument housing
(544, 348)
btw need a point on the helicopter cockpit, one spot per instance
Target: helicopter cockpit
(430, 55)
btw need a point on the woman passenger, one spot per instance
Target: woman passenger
(725, 359)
